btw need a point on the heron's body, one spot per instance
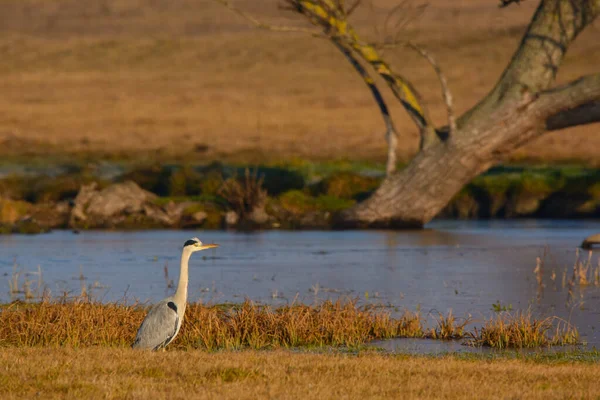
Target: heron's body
(160, 326)
(164, 319)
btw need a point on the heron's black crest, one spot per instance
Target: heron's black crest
(190, 242)
(172, 306)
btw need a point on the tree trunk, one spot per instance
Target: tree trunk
(518, 109)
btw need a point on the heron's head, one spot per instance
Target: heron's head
(194, 244)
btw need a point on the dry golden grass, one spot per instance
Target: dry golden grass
(162, 79)
(247, 325)
(520, 330)
(122, 373)
(448, 327)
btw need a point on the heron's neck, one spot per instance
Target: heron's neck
(181, 293)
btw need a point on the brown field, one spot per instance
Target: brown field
(164, 79)
(90, 373)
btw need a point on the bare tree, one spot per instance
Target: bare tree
(521, 107)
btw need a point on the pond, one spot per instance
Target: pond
(470, 267)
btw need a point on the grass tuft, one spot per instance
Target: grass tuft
(447, 327)
(522, 330)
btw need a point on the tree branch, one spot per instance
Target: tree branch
(446, 94)
(353, 8)
(391, 135)
(327, 15)
(584, 114)
(261, 25)
(578, 103)
(534, 65)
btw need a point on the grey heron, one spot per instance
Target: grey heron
(164, 319)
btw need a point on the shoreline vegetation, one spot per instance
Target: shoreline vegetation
(294, 195)
(341, 324)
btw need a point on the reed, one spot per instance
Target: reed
(448, 328)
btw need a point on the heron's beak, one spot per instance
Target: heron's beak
(208, 246)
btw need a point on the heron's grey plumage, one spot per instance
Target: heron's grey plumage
(159, 327)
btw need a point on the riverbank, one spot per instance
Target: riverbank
(56, 373)
(293, 195)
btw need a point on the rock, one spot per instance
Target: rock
(81, 200)
(590, 241)
(121, 204)
(231, 218)
(120, 198)
(176, 210)
(155, 213)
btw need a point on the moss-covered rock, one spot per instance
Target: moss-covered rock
(202, 215)
(298, 209)
(297, 202)
(348, 185)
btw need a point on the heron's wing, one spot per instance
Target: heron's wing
(158, 328)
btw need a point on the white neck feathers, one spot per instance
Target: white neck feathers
(181, 293)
